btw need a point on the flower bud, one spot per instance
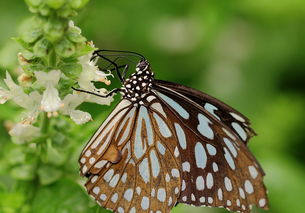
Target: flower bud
(55, 4)
(65, 48)
(77, 4)
(41, 47)
(54, 29)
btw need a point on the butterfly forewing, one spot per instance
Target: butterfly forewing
(234, 120)
(217, 168)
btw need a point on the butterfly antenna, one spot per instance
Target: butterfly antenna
(122, 51)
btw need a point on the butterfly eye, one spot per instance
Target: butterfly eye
(165, 144)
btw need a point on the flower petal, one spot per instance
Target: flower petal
(46, 78)
(4, 95)
(24, 132)
(80, 117)
(70, 102)
(50, 100)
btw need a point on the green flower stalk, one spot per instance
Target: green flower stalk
(54, 58)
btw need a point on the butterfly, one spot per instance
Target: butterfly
(164, 144)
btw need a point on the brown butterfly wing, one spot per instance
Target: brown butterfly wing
(135, 169)
(233, 119)
(217, 168)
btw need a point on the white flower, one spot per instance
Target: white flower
(14, 92)
(97, 99)
(91, 73)
(24, 132)
(4, 95)
(71, 101)
(51, 101)
(80, 117)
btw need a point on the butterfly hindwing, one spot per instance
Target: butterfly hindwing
(234, 120)
(217, 168)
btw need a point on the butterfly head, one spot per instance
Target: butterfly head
(139, 83)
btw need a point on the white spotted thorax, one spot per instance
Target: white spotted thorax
(139, 83)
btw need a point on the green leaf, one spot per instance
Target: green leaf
(23, 172)
(61, 197)
(71, 70)
(41, 47)
(65, 48)
(16, 156)
(11, 201)
(54, 157)
(48, 174)
(24, 44)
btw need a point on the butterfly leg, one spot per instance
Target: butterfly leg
(125, 70)
(114, 91)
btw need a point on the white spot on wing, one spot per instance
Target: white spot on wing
(114, 181)
(215, 167)
(229, 158)
(181, 136)
(161, 148)
(209, 181)
(175, 173)
(158, 107)
(177, 107)
(128, 194)
(240, 131)
(211, 149)
(228, 184)
(249, 187)
(114, 197)
(186, 167)
(230, 146)
(96, 190)
(108, 175)
(139, 145)
(237, 117)
(144, 170)
(200, 183)
(210, 108)
(155, 166)
(100, 164)
(253, 171)
(219, 194)
(204, 127)
(200, 156)
(145, 203)
(161, 194)
(163, 128)
(262, 202)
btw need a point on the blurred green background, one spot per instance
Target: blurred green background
(250, 54)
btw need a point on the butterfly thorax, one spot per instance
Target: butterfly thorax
(139, 83)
